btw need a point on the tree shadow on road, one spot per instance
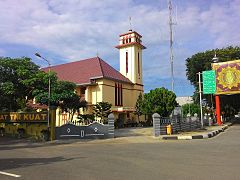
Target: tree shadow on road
(11, 143)
(12, 163)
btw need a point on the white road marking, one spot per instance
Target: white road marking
(9, 174)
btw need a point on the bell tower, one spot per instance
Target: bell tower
(130, 47)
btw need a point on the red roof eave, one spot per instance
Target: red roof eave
(130, 32)
(133, 43)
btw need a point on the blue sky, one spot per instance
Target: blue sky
(64, 31)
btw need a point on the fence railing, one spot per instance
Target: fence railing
(179, 124)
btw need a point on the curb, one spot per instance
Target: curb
(198, 136)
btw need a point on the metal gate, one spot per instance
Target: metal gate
(92, 131)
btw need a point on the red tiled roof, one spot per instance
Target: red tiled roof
(81, 72)
(36, 105)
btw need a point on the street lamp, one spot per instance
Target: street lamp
(49, 84)
(215, 58)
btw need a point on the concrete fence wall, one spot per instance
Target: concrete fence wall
(33, 130)
(94, 130)
(19, 128)
(178, 124)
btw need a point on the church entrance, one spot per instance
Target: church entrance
(121, 120)
(126, 125)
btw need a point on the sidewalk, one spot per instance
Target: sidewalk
(125, 135)
(208, 132)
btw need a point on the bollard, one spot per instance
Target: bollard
(169, 129)
(210, 121)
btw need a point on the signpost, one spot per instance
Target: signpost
(209, 82)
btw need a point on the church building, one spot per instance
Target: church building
(97, 81)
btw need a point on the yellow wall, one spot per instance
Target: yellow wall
(130, 95)
(31, 129)
(104, 91)
(130, 92)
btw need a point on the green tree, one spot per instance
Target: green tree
(192, 108)
(201, 62)
(63, 95)
(139, 106)
(71, 103)
(19, 78)
(159, 100)
(86, 118)
(102, 110)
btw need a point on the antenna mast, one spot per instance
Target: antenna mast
(130, 23)
(171, 42)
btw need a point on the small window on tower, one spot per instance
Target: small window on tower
(126, 62)
(123, 41)
(138, 65)
(130, 39)
(126, 40)
(116, 94)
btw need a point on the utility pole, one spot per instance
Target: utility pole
(171, 43)
(200, 97)
(49, 85)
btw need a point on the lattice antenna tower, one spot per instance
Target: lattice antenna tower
(171, 23)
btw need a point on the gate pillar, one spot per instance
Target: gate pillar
(156, 124)
(52, 122)
(111, 125)
(218, 111)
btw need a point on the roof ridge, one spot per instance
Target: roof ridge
(81, 72)
(72, 62)
(100, 63)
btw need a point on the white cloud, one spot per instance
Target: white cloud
(223, 23)
(77, 29)
(73, 26)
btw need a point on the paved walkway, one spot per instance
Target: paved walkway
(135, 133)
(207, 132)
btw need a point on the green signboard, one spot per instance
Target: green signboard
(209, 82)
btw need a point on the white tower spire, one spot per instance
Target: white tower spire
(130, 23)
(130, 47)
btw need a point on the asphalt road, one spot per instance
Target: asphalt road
(215, 158)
